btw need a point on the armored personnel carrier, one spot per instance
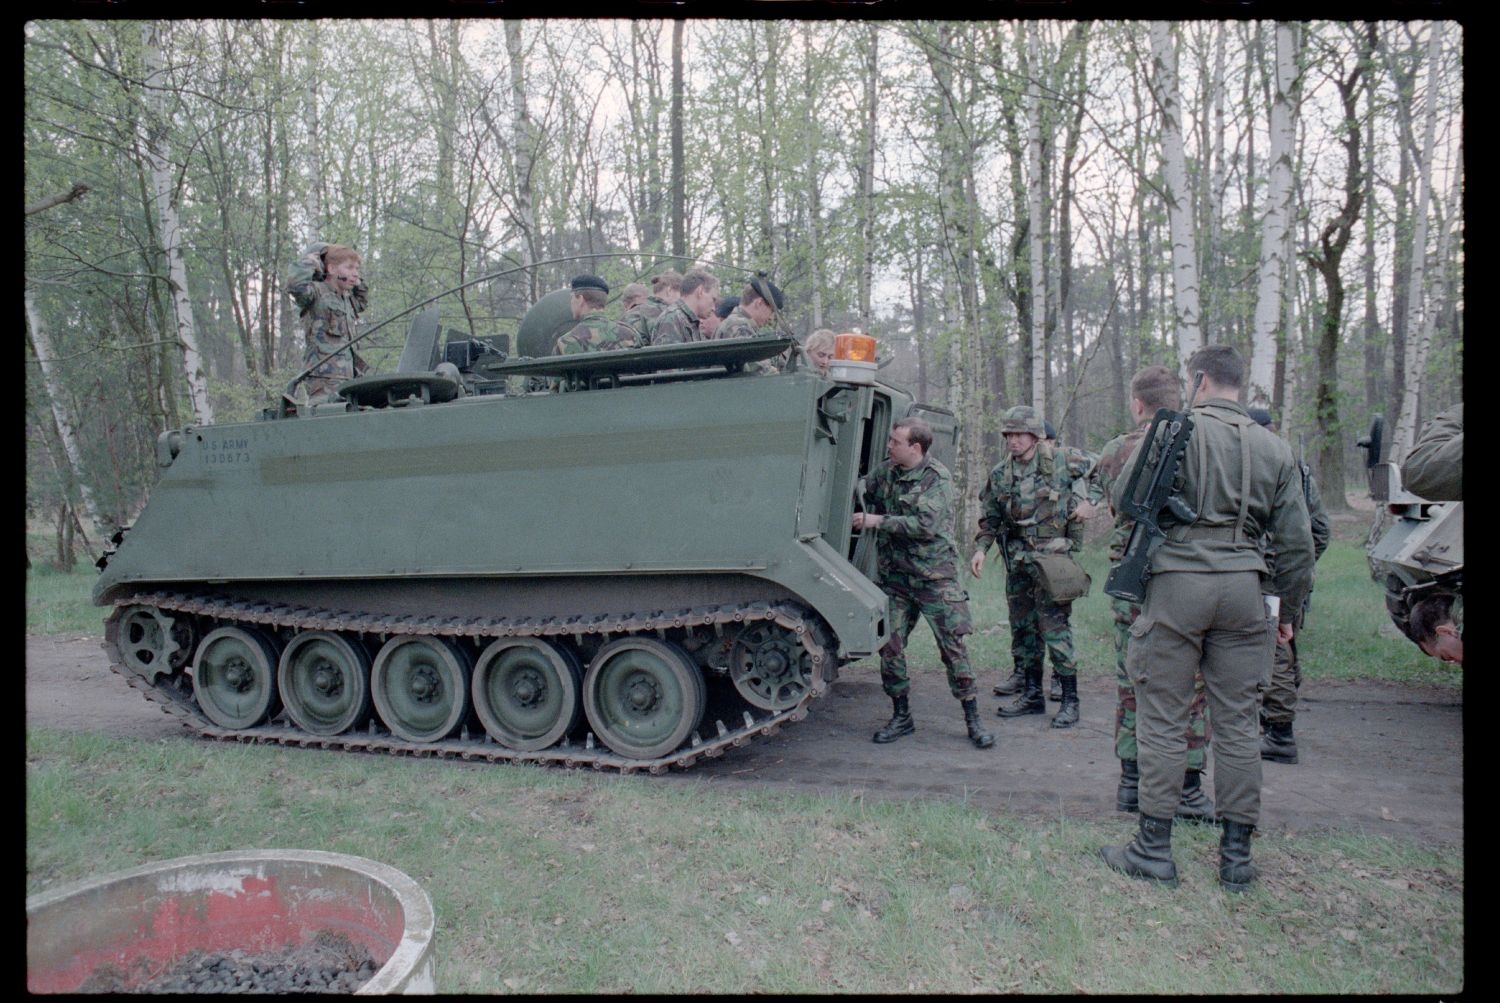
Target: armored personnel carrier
(645, 565)
(1416, 546)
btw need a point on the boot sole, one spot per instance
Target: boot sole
(1235, 886)
(891, 738)
(1007, 712)
(1279, 757)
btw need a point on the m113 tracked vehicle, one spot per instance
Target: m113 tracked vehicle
(1416, 546)
(641, 571)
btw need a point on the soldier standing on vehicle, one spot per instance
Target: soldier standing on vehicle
(910, 506)
(665, 288)
(1204, 610)
(594, 332)
(1151, 388)
(1434, 468)
(1279, 702)
(632, 296)
(1029, 505)
(681, 322)
(326, 286)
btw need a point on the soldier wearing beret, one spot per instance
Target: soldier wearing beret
(709, 325)
(594, 332)
(1029, 505)
(759, 302)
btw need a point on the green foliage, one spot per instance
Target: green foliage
(545, 881)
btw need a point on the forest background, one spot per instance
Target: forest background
(1022, 212)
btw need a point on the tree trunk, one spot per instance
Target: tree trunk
(1268, 300)
(1416, 347)
(171, 238)
(679, 164)
(1036, 225)
(524, 144)
(1189, 337)
(67, 431)
(866, 171)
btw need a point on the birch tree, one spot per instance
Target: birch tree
(1036, 222)
(165, 192)
(1273, 228)
(56, 399)
(1189, 336)
(1416, 343)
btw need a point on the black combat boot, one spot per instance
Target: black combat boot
(1055, 694)
(1277, 744)
(1067, 714)
(1195, 805)
(1128, 795)
(1013, 684)
(977, 734)
(1031, 700)
(899, 724)
(1148, 855)
(1236, 872)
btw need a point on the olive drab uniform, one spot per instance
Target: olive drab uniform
(1106, 473)
(918, 570)
(1279, 703)
(330, 320)
(1025, 507)
(1434, 468)
(677, 325)
(1204, 609)
(594, 333)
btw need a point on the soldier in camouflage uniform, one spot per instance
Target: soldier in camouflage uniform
(680, 323)
(1150, 389)
(709, 325)
(595, 332)
(632, 296)
(1029, 505)
(909, 499)
(759, 302)
(665, 289)
(1279, 702)
(326, 286)
(1434, 468)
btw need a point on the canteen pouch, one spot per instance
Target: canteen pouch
(1062, 578)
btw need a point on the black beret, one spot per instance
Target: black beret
(768, 291)
(589, 282)
(726, 306)
(1261, 415)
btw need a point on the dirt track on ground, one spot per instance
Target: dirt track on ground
(1375, 758)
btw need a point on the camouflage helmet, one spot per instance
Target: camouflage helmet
(1023, 419)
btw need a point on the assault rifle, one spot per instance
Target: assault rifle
(1127, 580)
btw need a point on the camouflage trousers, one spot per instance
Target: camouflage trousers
(1280, 698)
(946, 608)
(1198, 730)
(1037, 624)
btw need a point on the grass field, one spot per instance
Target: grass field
(554, 881)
